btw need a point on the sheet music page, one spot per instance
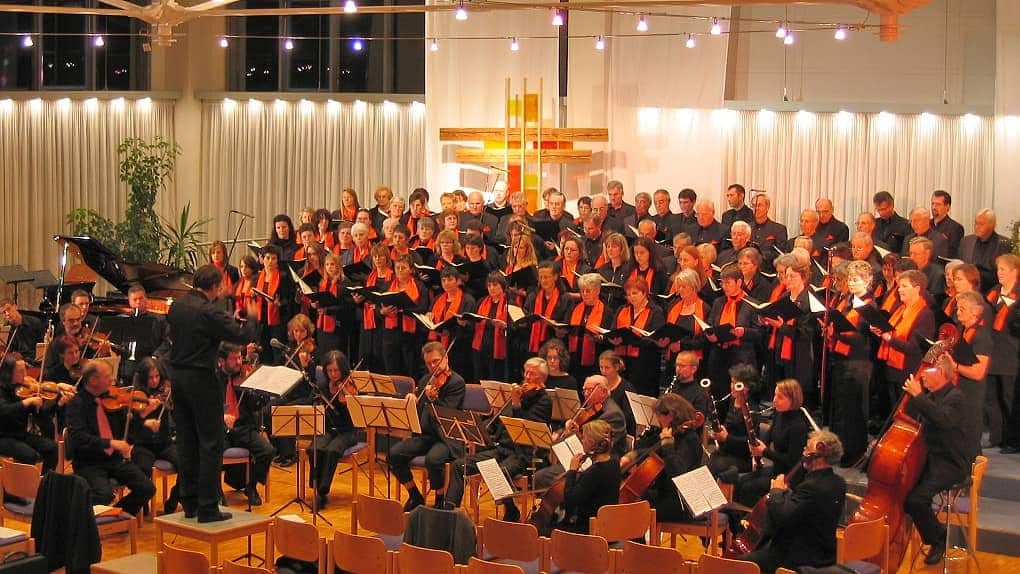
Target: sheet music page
(305, 288)
(815, 305)
(699, 490)
(498, 393)
(567, 448)
(641, 406)
(515, 313)
(494, 479)
(275, 380)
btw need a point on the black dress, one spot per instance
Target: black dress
(588, 491)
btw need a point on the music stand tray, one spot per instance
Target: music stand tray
(524, 432)
(641, 407)
(565, 403)
(369, 383)
(465, 427)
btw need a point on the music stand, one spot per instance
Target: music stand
(465, 427)
(391, 416)
(369, 383)
(299, 421)
(15, 275)
(525, 432)
(498, 394)
(641, 406)
(565, 403)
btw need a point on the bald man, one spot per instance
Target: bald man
(833, 230)
(476, 212)
(983, 246)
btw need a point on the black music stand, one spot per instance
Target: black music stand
(369, 383)
(300, 421)
(465, 427)
(387, 415)
(15, 275)
(565, 403)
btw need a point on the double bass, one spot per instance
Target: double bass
(897, 462)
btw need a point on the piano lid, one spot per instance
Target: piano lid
(156, 278)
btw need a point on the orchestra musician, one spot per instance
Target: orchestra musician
(678, 447)
(684, 385)
(241, 423)
(527, 401)
(950, 452)
(588, 490)
(340, 433)
(733, 456)
(557, 358)
(140, 333)
(196, 328)
(303, 355)
(25, 331)
(72, 322)
(803, 515)
(17, 412)
(611, 366)
(152, 438)
(69, 355)
(92, 443)
(440, 387)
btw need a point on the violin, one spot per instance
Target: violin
(119, 398)
(643, 471)
(438, 378)
(47, 390)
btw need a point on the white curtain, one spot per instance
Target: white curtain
(798, 157)
(59, 155)
(265, 158)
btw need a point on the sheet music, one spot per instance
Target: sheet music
(498, 393)
(494, 479)
(305, 289)
(274, 380)
(425, 320)
(565, 403)
(699, 490)
(701, 322)
(641, 406)
(815, 305)
(515, 313)
(567, 448)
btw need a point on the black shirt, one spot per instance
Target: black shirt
(29, 333)
(805, 519)
(952, 232)
(694, 394)
(787, 440)
(944, 419)
(892, 231)
(588, 491)
(197, 327)
(744, 213)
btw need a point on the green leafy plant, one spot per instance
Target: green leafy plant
(181, 239)
(146, 167)
(1015, 236)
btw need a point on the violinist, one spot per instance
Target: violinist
(152, 439)
(440, 387)
(301, 355)
(340, 433)
(598, 405)
(945, 419)
(72, 321)
(141, 334)
(240, 421)
(451, 302)
(611, 366)
(527, 401)
(588, 490)
(25, 331)
(68, 353)
(92, 442)
(558, 358)
(15, 441)
(401, 333)
(678, 447)
(803, 516)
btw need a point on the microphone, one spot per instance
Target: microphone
(276, 344)
(242, 214)
(497, 168)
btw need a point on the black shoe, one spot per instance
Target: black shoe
(511, 513)
(171, 504)
(253, 496)
(190, 514)
(286, 461)
(322, 500)
(935, 554)
(440, 501)
(1009, 450)
(414, 501)
(204, 518)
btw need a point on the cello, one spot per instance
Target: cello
(897, 462)
(643, 471)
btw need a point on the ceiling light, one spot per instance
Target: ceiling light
(514, 44)
(716, 28)
(288, 44)
(642, 24)
(690, 41)
(781, 31)
(350, 7)
(600, 44)
(224, 43)
(461, 12)
(434, 45)
(557, 19)
(99, 42)
(26, 41)
(840, 33)
(788, 40)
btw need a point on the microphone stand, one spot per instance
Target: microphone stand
(237, 234)
(823, 375)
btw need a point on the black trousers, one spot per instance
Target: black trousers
(329, 449)
(198, 413)
(125, 472)
(512, 463)
(998, 406)
(938, 475)
(402, 353)
(437, 454)
(974, 403)
(849, 401)
(29, 448)
(261, 451)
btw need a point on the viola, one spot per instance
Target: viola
(897, 461)
(643, 471)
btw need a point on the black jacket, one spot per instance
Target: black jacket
(84, 445)
(944, 419)
(63, 525)
(804, 519)
(197, 327)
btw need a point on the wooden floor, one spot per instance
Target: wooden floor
(339, 513)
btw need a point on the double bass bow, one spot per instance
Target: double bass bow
(897, 461)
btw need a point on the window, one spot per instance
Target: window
(381, 53)
(60, 51)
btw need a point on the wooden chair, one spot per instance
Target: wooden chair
(412, 560)
(711, 526)
(637, 558)
(20, 542)
(861, 541)
(382, 516)
(171, 560)
(298, 540)
(162, 470)
(966, 509)
(581, 553)
(358, 554)
(235, 568)
(512, 543)
(619, 522)
(478, 566)
(22, 481)
(239, 456)
(709, 564)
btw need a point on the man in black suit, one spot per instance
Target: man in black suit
(922, 252)
(197, 326)
(765, 232)
(26, 331)
(476, 211)
(804, 516)
(833, 230)
(738, 210)
(706, 229)
(98, 456)
(619, 210)
(441, 387)
(667, 223)
(950, 455)
(981, 248)
(890, 227)
(952, 231)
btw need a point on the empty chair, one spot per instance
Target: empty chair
(382, 516)
(862, 541)
(582, 553)
(479, 566)
(709, 564)
(619, 522)
(22, 481)
(412, 559)
(358, 554)
(297, 541)
(475, 399)
(643, 559)
(235, 568)
(511, 543)
(171, 560)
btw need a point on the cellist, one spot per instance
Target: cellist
(680, 449)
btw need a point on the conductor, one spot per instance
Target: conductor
(197, 326)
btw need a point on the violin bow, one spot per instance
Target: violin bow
(10, 343)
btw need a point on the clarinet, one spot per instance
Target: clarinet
(752, 436)
(713, 414)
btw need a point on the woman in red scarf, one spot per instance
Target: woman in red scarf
(548, 301)
(349, 205)
(218, 257)
(739, 347)
(589, 315)
(370, 343)
(648, 265)
(402, 334)
(640, 354)
(329, 333)
(571, 263)
(275, 301)
(795, 339)
(453, 301)
(1002, 371)
(489, 340)
(245, 281)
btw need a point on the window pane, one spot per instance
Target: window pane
(261, 55)
(309, 60)
(15, 60)
(353, 73)
(120, 64)
(409, 55)
(64, 56)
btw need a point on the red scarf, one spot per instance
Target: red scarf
(842, 347)
(326, 322)
(228, 283)
(544, 306)
(242, 293)
(444, 308)
(587, 341)
(648, 275)
(1002, 312)
(567, 273)
(625, 318)
(950, 307)
(400, 319)
(485, 309)
(329, 241)
(268, 312)
(729, 312)
(348, 213)
(368, 311)
(674, 315)
(359, 254)
(231, 408)
(903, 323)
